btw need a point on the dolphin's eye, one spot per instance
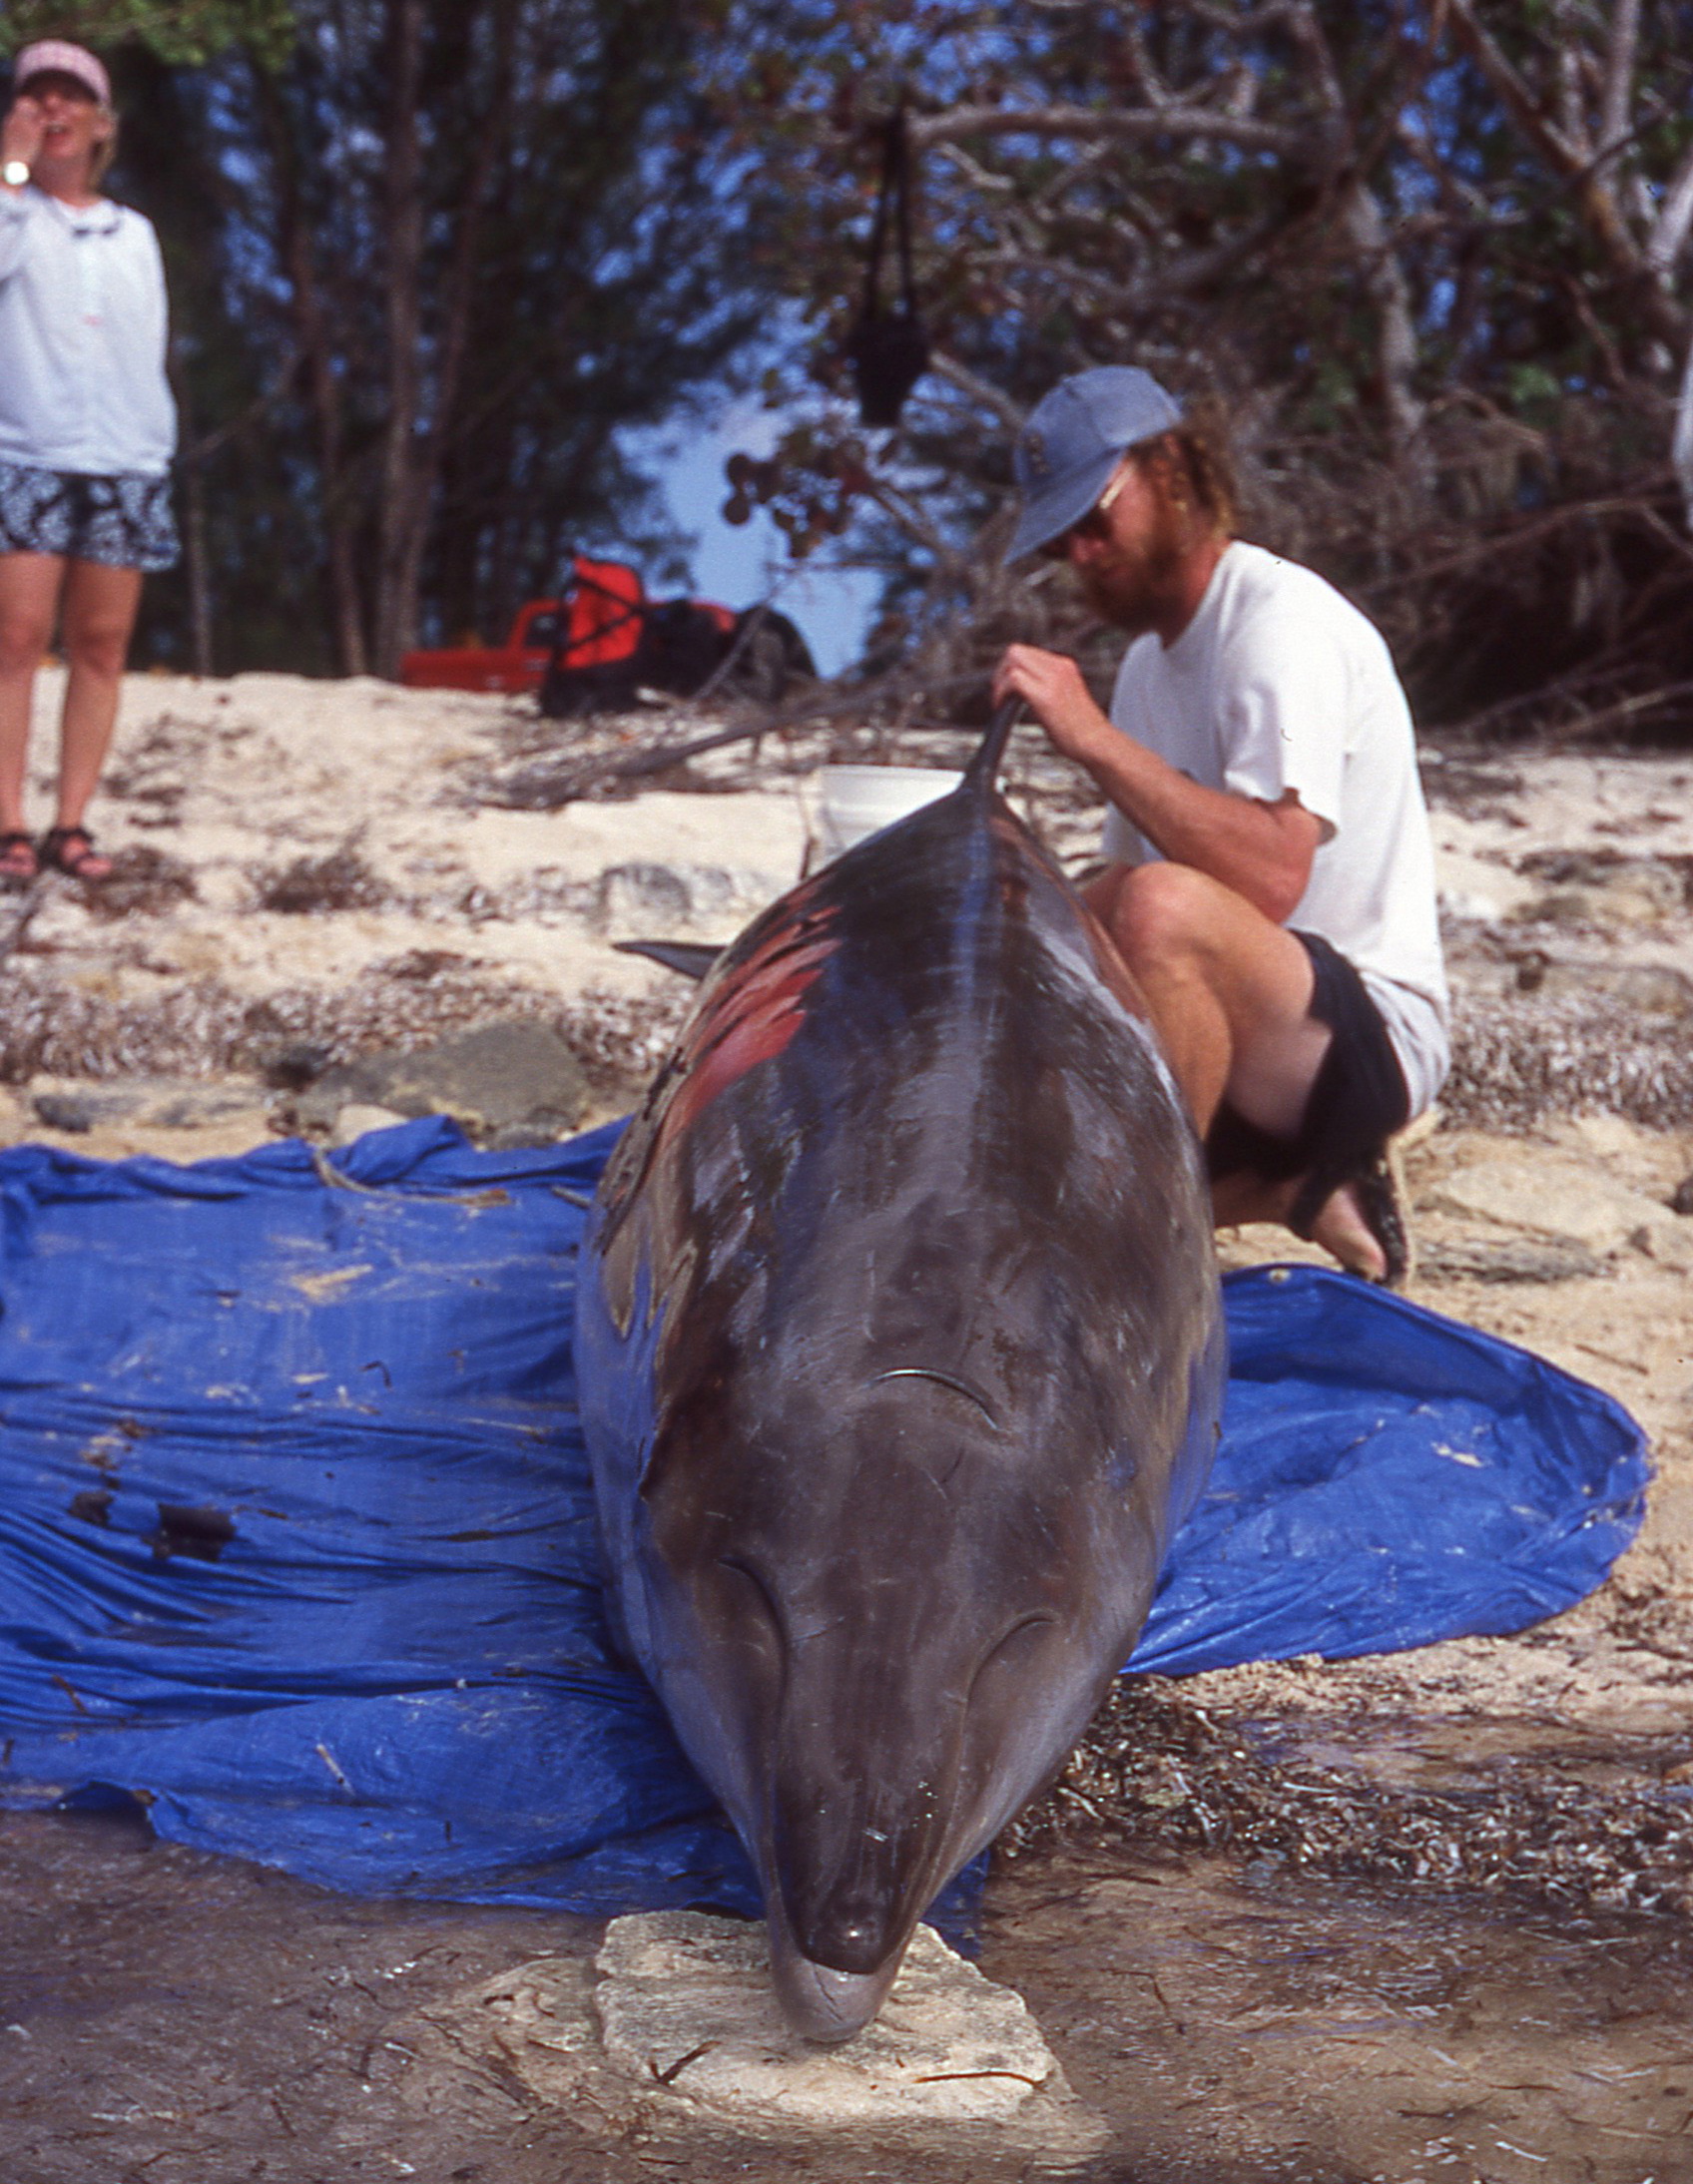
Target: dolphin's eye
(754, 1588)
(1019, 1645)
(941, 1379)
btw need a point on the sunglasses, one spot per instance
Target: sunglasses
(1093, 525)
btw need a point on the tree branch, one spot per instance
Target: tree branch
(978, 391)
(1675, 217)
(1524, 107)
(1620, 76)
(1092, 125)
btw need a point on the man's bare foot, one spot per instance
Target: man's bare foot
(1344, 1233)
(1362, 1224)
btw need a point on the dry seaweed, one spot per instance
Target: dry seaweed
(340, 881)
(1164, 1774)
(206, 1029)
(144, 882)
(1517, 1060)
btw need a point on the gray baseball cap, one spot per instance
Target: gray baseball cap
(1073, 440)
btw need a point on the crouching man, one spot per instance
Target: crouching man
(1270, 878)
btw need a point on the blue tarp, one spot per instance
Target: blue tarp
(297, 1541)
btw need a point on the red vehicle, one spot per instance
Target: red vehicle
(592, 649)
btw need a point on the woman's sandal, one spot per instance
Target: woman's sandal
(71, 850)
(19, 864)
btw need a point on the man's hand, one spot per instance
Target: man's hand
(1262, 852)
(21, 132)
(1050, 685)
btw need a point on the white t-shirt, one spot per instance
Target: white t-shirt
(82, 338)
(1279, 684)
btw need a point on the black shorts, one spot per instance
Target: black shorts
(123, 521)
(1360, 1097)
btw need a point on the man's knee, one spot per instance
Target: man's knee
(1156, 912)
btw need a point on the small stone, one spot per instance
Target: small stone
(72, 1112)
(357, 1118)
(1669, 1240)
(1682, 1198)
(291, 1068)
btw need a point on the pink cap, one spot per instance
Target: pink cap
(58, 56)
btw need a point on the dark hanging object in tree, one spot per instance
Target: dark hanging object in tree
(888, 348)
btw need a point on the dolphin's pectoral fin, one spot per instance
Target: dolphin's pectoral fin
(686, 956)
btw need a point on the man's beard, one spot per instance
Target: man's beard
(1127, 587)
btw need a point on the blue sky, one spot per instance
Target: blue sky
(739, 565)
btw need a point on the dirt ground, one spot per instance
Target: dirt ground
(1414, 1917)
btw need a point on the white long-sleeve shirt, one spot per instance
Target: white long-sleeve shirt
(82, 338)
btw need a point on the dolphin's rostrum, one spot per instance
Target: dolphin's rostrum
(900, 1356)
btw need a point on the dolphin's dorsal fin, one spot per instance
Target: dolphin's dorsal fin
(686, 956)
(990, 751)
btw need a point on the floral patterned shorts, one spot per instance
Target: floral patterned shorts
(125, 521)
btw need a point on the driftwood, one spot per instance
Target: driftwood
(547, 787)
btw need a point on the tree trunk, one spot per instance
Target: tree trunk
(417, 430)
(196, 567)
(294, 249)
(399, 519)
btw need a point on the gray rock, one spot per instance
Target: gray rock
(1512, 1261)
(1681, 1198)
(158, 1103)
(1591, 889)
(73, 1112)
(644, 901)
(506, 1084)
(1654, 990)
(680, 2032)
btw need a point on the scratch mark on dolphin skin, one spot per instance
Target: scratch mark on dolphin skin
(947, 1379)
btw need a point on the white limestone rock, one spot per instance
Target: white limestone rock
(679, 2031)
(360, 1117)
(1553, 1198)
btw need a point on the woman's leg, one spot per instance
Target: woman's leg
(97, 619)
(29, 595)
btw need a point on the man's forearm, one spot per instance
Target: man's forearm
(1262, 850)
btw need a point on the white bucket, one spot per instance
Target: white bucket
(857, 801)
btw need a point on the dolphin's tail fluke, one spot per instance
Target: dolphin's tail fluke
(980, 774)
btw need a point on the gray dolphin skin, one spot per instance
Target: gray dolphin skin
(900, 1356)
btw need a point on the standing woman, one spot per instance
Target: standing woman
(86, 431)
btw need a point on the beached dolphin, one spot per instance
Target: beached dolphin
(900, 1356)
